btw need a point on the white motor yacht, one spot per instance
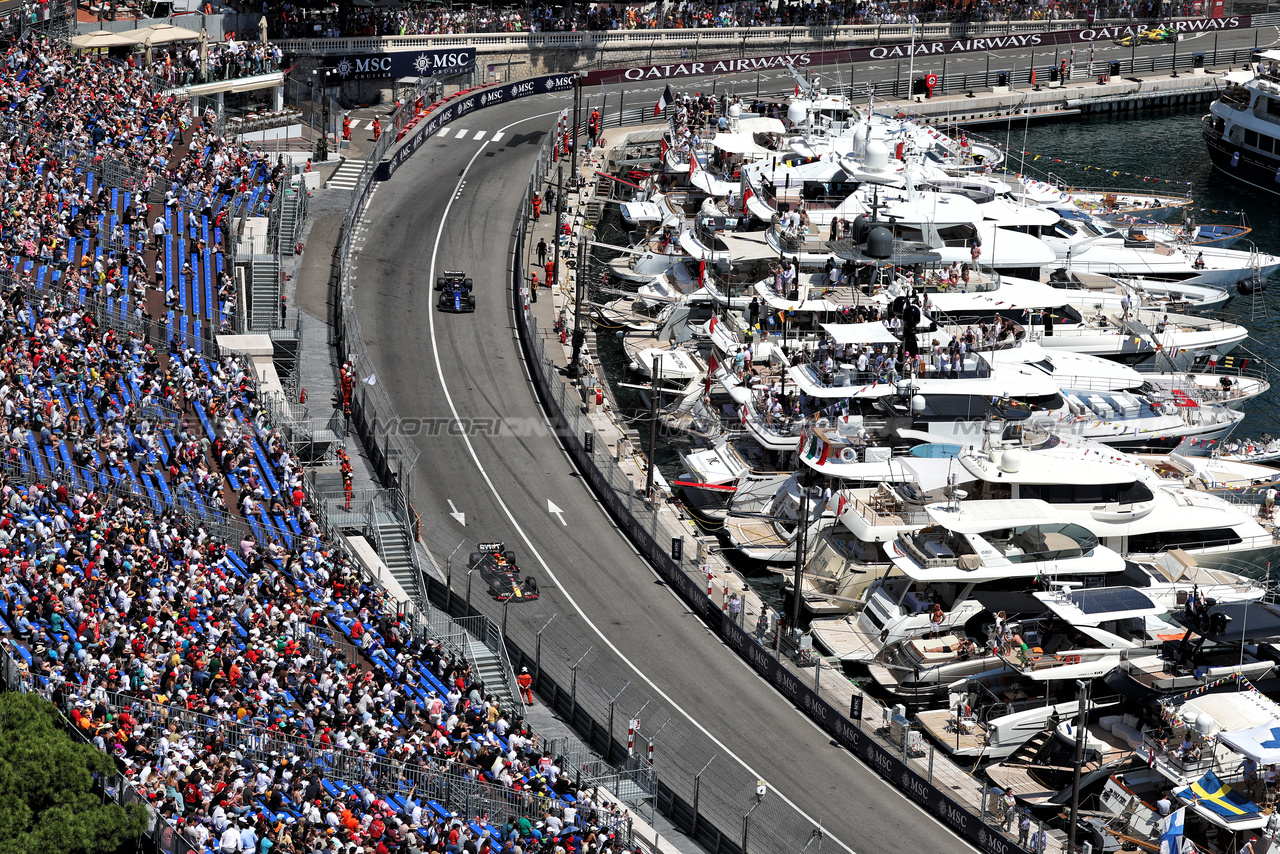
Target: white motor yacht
(971, 560)
(1132, 507)
(969, 547)
(764, 524)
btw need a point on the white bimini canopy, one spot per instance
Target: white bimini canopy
(874, 332)
(977, 517)
(1262, 743)
(739, 143)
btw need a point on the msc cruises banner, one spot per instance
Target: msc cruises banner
(409, 63)
(478, 100)
(711, 68)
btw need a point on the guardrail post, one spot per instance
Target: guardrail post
(537, 653)
(573, 686)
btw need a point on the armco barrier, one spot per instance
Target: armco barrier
(481, 98)
(931, 798)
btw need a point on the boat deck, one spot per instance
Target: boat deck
(843, 639)
(754, 533)
(937, 724)
(1020, 776)
(1021, 780)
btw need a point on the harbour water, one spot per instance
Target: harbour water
(1166, 146)
(1156, 146)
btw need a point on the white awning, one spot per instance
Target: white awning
(760, 124)
(739, 143)
(874, 332)
(930, 473)
(1262, 743)
(163, 34)
(101, 39)
(977, 517)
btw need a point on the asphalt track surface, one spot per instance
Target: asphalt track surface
(452, 207)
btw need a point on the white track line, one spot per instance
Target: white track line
(497, 496)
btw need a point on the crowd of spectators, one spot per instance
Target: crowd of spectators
(226, 60)
(138, 619)
(415, 17)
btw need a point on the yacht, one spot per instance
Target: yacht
(1111, 205)
(1216, 645)
(1242, 128)
(768, 525)
(1132, 507)
(1085, 244)
(1081, 634)
(970, 552)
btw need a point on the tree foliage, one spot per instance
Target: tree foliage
(47, 797)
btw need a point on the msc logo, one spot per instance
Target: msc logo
(880, 761)
(563, 82)
(845, 732)
(814, 707)
(520, 90)
(489, 98)
(956, 817)
(759, 658)
(915, 788)
(452, 60)
(373, 65)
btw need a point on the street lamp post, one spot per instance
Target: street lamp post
(322, 147)
(467, 612)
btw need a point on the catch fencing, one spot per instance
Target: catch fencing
(708, 797)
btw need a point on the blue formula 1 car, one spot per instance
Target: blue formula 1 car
(456, 294)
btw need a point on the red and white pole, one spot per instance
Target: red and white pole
(631, 736)
(650, 751)
(706, 567)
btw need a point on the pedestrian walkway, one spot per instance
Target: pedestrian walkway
(346, 175)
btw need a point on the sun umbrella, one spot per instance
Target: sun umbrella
(165, 33)
(101, 39)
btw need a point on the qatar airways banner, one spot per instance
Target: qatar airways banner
(814, 59)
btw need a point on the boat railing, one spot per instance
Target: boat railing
(1186, 766)
(890, 512)
(1235, 98)
(1067, 186)
(1229, 366)
(1213, 125)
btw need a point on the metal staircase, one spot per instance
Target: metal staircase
(492, 671)
(391, 539)
(264, 293)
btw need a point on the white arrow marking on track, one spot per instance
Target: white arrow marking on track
(557, 512)
(453, 511)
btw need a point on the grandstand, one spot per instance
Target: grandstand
(162, 578)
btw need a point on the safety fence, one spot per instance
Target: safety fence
(619, 110)
(771, 37)
(711, 800)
